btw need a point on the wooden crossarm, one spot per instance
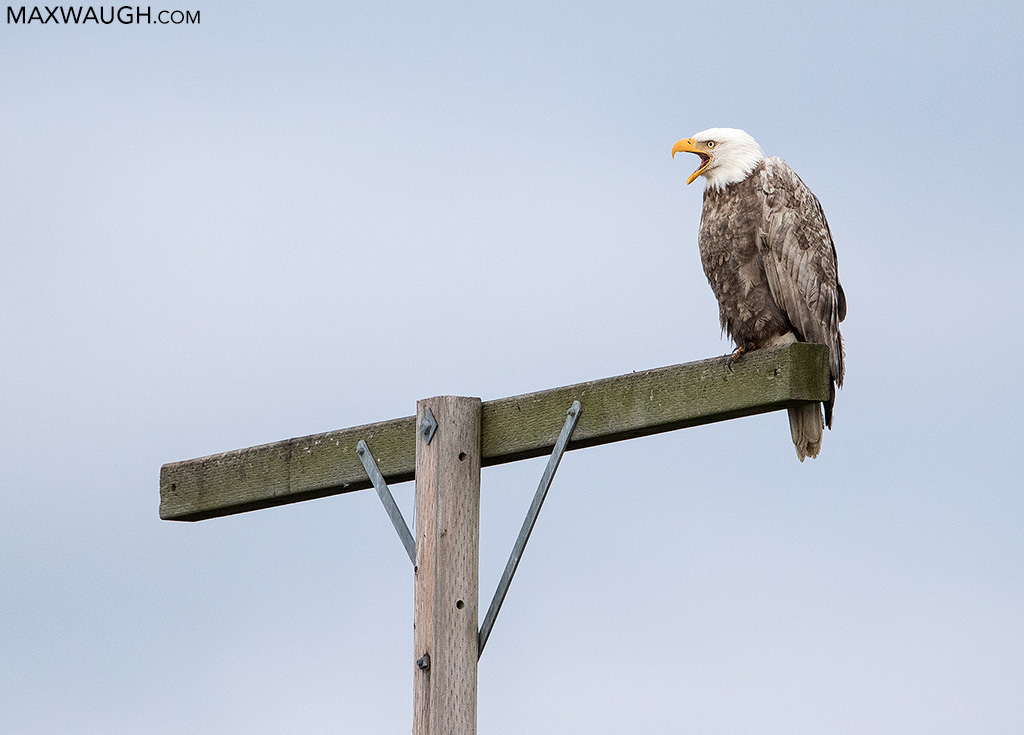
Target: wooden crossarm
(613, 409)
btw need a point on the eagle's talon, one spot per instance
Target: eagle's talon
(738, 353)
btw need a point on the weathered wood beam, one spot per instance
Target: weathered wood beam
(613, 409)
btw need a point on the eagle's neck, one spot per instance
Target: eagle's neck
(733, 164)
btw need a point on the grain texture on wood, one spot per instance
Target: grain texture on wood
(447, 561)
(623, 407)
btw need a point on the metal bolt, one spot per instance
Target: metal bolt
(423, 662)
(428, 425)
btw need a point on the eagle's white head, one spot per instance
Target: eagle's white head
(726, 155)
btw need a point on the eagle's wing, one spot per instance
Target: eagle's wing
(800, 261)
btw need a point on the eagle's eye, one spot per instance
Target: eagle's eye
(710, 144)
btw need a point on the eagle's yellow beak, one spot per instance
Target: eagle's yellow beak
(687, 145)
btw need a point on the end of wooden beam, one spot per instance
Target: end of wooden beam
(654, 401)
(268, 475)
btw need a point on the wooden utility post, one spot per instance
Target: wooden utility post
(444, 446)
(447, 563)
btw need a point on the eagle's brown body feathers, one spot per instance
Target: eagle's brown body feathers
(768, 254)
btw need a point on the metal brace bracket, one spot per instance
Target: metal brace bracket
(387, 499)
(524, 533)
(428, 426)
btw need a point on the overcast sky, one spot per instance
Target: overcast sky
(290, 219)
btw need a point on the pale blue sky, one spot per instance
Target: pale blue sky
(290, 219)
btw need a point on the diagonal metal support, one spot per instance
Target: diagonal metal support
(387, 499)
(527, 529)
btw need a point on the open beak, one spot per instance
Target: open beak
(687, 145)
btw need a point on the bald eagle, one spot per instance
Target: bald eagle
(768, 254)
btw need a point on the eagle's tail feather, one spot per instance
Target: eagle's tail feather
(806, 425)
(829, 404)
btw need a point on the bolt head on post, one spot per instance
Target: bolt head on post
(428, 426)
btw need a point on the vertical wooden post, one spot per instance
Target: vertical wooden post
(447, 568)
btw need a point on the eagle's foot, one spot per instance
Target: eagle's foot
(738, 353)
